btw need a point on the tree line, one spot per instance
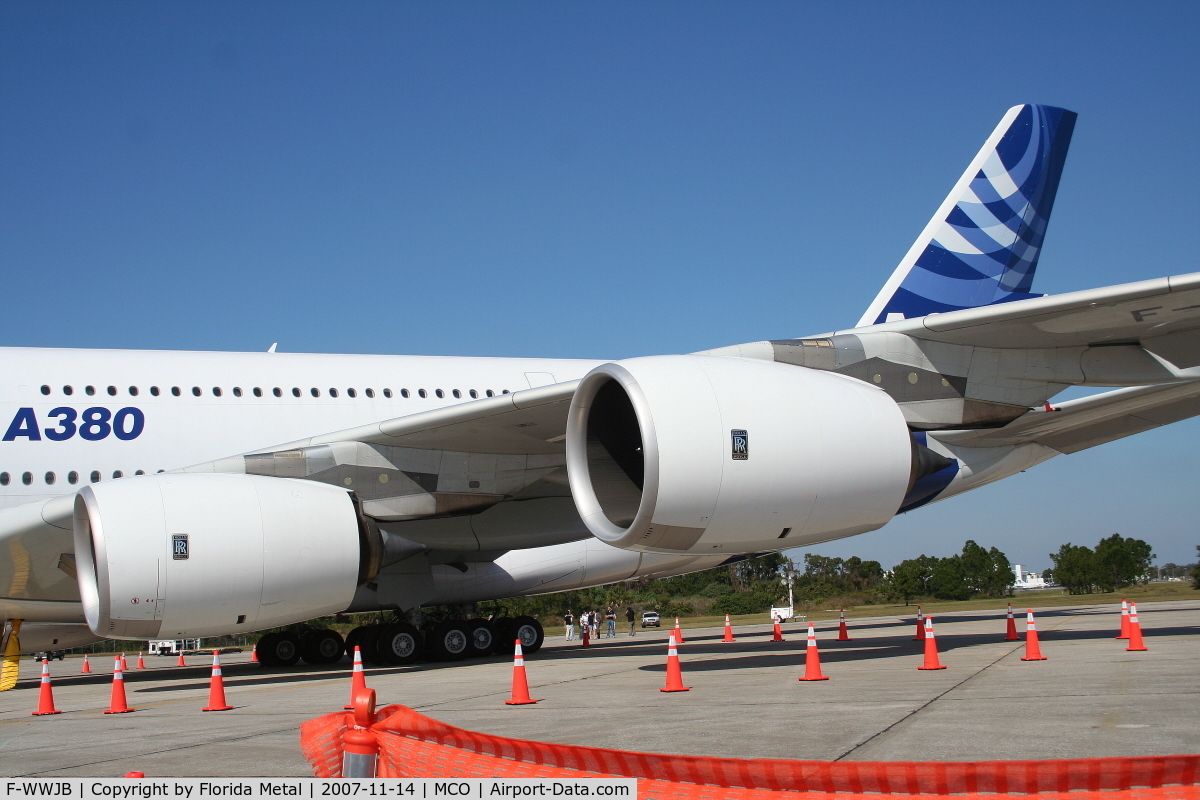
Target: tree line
(754, 585)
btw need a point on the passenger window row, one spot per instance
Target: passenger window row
(72, 477)
(257, 391)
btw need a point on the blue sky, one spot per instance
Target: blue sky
(591, 180)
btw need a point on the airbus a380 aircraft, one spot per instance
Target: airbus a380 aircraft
(396, 482)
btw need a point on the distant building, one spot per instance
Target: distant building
(1027, 580)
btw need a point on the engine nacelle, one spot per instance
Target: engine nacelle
(705, 454)
(173, 556)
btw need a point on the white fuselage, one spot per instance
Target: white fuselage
(217, 412)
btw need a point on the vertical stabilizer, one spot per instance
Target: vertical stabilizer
(982, 245)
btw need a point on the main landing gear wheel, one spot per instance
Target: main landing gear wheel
(483, 638)
(322, 647)
(279, 649)
(449, 642)
(366, 637)
(529, 631)
(504, 636)
(398, 643)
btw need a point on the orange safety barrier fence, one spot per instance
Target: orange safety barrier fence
(413, 745)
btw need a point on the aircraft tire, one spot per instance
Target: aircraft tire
(450, 641)
(530, 632)
(367, 639)
(504, 636)
(398, 643)
(483, 638)
(322, 647)
(279, 650)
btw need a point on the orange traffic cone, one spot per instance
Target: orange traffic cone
(1011, 634)
(141, 664)
(920, 626)
(812, 659)
(124, 663)
(358, 678)
(254, 655)
(931, 653)
(1124, 634)
(674, 673)
(728, 631)
(46, 696)
(777, 635)
(87, 667)
(587, 641)
(216, 687)
(843, 634)
(1033, 651)
(520, 686)
(117, 705)
(678, 632)
(181, 662)
(1135, 630)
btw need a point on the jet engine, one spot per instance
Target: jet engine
(705, 454)
(174, 556)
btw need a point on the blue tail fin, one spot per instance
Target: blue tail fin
(982, 245)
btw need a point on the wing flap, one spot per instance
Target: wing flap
(1090, 421)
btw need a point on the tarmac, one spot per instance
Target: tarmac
(1090, 698)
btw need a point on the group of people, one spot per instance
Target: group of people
(590, 621)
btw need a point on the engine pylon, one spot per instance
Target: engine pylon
(812, 659)
(674, 672)
(931, 651)
(46, 694)
(1033, 649)
(520, 685)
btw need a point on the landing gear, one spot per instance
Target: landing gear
(397, 643)
(279, 650)
(483, 638)
(321, 647)
(529, 631)
(449, 642)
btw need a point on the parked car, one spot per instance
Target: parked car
(650, 619)
(50, 655)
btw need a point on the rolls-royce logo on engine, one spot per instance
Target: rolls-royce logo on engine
(179, 546)
(741, 445)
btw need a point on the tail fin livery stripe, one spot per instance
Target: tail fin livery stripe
(982, 246)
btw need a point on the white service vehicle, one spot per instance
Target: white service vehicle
(173, 495)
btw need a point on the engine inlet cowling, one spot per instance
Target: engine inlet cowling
(707, 454)
(177, 556)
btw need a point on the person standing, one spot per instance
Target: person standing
(630, 615)
(610, 623)
(569, 622)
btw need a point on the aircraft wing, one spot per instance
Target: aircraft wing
(1089, 421)
(1163, 311)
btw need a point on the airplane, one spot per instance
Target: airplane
(170, 495)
